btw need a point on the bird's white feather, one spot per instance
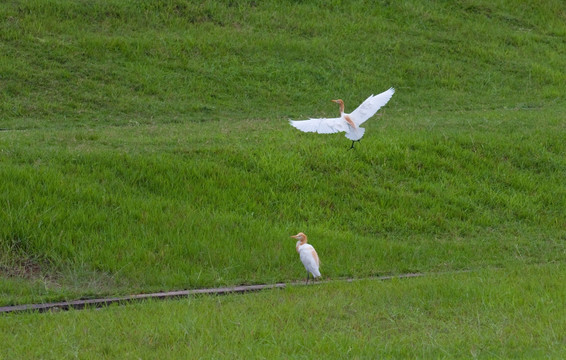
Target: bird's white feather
(333, 125)
(308, 260)
(370, 106)
(355, 134)
(321, 126)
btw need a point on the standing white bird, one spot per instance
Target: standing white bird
(308, 255)
(350, 123)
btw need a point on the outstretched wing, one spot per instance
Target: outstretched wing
(370, 106)
(321, 126)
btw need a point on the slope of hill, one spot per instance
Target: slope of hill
(145, 144)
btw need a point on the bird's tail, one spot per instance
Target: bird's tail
(355, 134)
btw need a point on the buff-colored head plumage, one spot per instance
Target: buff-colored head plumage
(302, 239)
(341, 103)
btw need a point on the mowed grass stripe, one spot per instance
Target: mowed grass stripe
(504, 313)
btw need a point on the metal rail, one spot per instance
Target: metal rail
(97, 303)
(101, 302)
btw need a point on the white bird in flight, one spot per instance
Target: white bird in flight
(308, 255)
(350, 123)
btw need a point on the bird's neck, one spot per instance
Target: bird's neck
(341, 108)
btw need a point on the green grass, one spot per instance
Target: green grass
(144, 146)
(67, 63)
(192, 205)
(486, 314)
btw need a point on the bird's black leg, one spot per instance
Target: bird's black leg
(307, 278)
(352, 147)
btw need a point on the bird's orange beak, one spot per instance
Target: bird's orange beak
(294, 236)
(336, 101)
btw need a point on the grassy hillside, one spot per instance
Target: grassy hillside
(70, 63)
(145, 145)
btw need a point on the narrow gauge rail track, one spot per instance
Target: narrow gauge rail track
(122, 300)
